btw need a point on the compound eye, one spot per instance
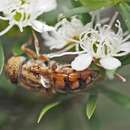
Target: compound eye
(13, 68)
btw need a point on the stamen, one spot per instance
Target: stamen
(6, 29)
(77, 47)
(105, 20)
(121, 77)
(20, 27)
(3, 18)
(54, 55)
(98, 18)
(113, 19)
(73, 40)
(120, 54)
(36, 44)
(67, 48)
(120, 31)
(126, 38)
(125, 33)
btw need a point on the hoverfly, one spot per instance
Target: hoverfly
(42, 74)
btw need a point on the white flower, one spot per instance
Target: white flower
(66, 34)
(25, 13)
(80, 63)
(103, 46)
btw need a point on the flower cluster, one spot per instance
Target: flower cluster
(103, 46)
(99, 43)
(24, 13)
(96, 42)
(66, 34)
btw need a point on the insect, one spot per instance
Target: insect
(39, 73)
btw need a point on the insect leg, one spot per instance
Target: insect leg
(36, 44)
(37, 48)
(29, 52)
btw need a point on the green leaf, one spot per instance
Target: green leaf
(67, 8)
(117, 97)
(97, 4)
(85, 18)
(46, 109)
(1, 58)
(76, 3)
(17, 49)
(124, 9)
(95, 123)
(91, 106)
(62, 8)
(6, 87)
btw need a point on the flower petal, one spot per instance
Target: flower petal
(110, 63)
(125, 47)
(47, 5)
(40, 26)
(52, 40)
(81, 62)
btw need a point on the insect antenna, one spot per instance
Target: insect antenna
(44, 82)
(36, 44)
(29, 52)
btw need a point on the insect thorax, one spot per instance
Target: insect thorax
(35, 75)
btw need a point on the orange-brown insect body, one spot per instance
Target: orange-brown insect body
(48, 76)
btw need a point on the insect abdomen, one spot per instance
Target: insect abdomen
(74, 80)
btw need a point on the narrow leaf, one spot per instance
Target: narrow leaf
(91, 106)
(97, 4)
(17, 49)
(95, 123)
(46, 109)
(1, 58)
(125, 60)
(23, 40)
(124, 9)
(117, 97)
